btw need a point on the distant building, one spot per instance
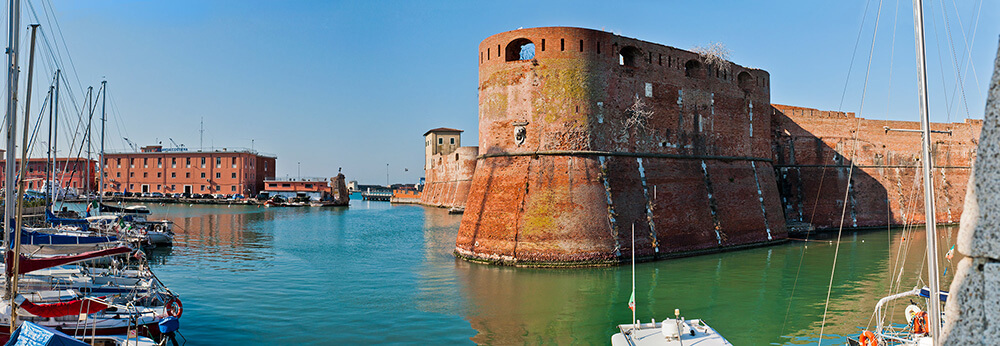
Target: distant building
(158, 169)
(316, 189)
(448, 168)
(352, 185)
(440, 141)
(71, 173)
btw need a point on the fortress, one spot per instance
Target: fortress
(585, 135)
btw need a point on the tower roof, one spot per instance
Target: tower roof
(442, 129)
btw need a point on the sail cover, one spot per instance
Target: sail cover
(73, 307)
(27, 265)
(30, 334)
(39, 238)
(53, 219)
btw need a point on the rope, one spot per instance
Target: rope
(850, 174)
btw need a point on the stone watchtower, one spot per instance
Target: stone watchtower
(440, 141)
(585, 134)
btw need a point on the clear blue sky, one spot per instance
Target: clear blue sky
(355, 84)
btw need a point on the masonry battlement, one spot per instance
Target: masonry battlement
(812, 112)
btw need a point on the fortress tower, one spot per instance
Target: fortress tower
(585, 134)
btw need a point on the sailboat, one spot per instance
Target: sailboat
(671, 331)
(922, 327)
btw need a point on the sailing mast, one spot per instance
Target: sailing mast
(21, 182)
(54, 102)
(90, 109)
(100, 162)
(14, 22)
(934, 303)
(49, 164)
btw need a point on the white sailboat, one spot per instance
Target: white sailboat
(671, 331)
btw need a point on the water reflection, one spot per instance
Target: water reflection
(755, 296)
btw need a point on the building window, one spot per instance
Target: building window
(272, 185)
(189, 162)
(286, 185)
(145, 163)
(232, 188)
(187, 175)
(309, 186)
(173, 162)
(173, 187)
(158, 174)
(218, 162)
(234, 175)
(203, 187)
(119, 163)
(119, 174)
(173, 175)
(234, 162)
(131, 186)
(520, 49)
(203, 174)
(627, 56)
(159, 163)
(158, 186)
(131, 163)
(218, 175)
(203, 162)
(145, 175)
(440, 140)
(452, 141)
(131, 174)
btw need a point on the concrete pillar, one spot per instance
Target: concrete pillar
(972, 313)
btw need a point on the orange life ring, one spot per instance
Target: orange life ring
(920, 323)
(175, 308)
(867, 338)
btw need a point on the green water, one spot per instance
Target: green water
(381, 273)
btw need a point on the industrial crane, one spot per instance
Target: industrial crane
(131, 144)
(175, 143)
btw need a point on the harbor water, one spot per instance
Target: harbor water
(381, 273)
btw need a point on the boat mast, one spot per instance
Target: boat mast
(49, 164)
(14, 22)
(100, 162)
(21, 182)
(90, 109)
(934, 302)
(55, 131)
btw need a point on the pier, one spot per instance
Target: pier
(384, 196)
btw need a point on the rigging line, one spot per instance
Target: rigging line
(58, 30)
(944, 85)
(968, 46)
(854, 54)
(850, 172)
(888, 99)
(954, 59)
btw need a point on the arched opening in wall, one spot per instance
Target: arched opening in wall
(520, 49)
(456, 157)
(692, 68)
(627, 56)
(745, 81)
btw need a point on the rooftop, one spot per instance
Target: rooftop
(183, 150)
(442, 129)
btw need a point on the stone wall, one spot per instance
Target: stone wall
(568, 166)
(813, 152)
(448, 178)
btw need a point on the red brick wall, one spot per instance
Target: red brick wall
(449, 177)
(814, 149)
(157, 170)
(69, 172)
(572, 189)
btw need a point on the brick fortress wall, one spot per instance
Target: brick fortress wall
(813, 151)
(449, 178)
(564, 174)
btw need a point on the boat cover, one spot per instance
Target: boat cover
(53, 219)
(113, 209)
(30, 334)
(39, 238)
(70, 308)
(27, 265)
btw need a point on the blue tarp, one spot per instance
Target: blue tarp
(51, 218)
(30, 334)
(38, 238)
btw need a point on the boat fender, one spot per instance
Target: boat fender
(169, 324)
(867, 338)
(174, 307)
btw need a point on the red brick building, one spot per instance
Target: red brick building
(70, 172)
(154, 169)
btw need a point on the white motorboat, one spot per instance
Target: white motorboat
(668, 332)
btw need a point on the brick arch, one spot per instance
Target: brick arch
(519, 49)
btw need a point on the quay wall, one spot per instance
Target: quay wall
(448, 178)
(814, 150)
(598, 133)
